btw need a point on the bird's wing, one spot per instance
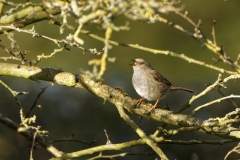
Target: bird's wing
(160, 78)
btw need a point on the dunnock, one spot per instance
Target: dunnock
(150, 84)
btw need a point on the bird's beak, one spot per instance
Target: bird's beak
(133, 63)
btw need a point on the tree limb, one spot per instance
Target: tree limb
(116, 96)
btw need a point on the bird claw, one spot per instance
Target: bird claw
(154, 107)
(152, 110)
(139, 102)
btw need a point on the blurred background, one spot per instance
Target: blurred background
(68, 111)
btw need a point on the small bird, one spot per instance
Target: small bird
(150, 84)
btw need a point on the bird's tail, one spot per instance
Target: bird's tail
(175, 88)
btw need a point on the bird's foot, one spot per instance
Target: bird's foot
(139, 102)
(152, 110)
(154, 107)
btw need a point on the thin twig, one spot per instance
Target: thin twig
(101, 156)
(203, 93)
(74, 140)
(212, 102)
(229, 100)
(38, 96)
(235, 149)
(213, 32)
(33, 141)
(29, 136)
(108, 140)
(155, 51)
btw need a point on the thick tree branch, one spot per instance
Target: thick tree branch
(116, 96)
(27, 16)
(103, 91)
(140, 132)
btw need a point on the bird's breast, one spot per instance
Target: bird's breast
(148, 87)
